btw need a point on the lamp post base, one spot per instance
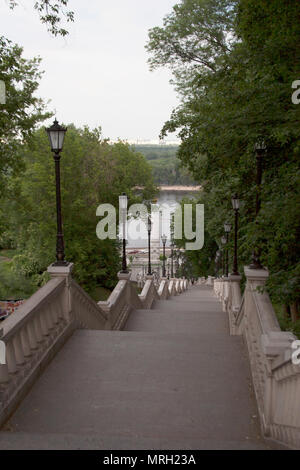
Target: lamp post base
(256, 264)
(61, 263)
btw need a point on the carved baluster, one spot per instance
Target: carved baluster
(32, 335)
(4, 377)
(54, 313)
(3, 367)
(48, 318)
(11, 358)
(43, 324)
(19, 354)
(38, 330)
(25, 342)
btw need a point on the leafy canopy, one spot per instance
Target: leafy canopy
(51, 13)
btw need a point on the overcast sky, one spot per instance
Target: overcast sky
(98, 74)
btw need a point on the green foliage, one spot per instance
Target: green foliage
(166, 167)
(197, 263)
(93, 171)
(22, 111)
(51, 13)
(15, 284)
(234, 63)
(286, 322)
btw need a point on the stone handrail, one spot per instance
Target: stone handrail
(163, 290)
(121, 301)
(88, 315)
(149, 293)
(172, 287)
(276, 379)
(32, 335)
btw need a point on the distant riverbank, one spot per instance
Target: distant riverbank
(179, 188)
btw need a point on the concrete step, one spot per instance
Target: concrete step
(176, 380)
(30, 441)
(144, 385)
(180, 321)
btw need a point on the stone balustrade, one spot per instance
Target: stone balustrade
(163, 290)
(276, 379)
(34, 333)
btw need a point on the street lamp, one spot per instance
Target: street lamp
(56, 134)
(260, 149)
(172, 253)
(149, 238)
(164, 239)
(236, 205)
(223, 241)
(123, 211)
(227, 228)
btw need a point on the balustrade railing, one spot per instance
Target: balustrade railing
(276, 379)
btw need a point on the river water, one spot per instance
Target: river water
(167, 202)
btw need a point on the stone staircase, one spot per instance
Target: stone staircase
(174, 378)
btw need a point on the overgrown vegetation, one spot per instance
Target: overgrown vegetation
(233, 63)
(166, 167)
(93, 171)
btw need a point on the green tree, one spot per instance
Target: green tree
(51, 13)
(22, 110)
(234, 93)
(93, 171)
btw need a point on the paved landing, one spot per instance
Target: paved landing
(174, 379)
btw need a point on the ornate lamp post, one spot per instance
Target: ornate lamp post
(149, 243)
(172, 254)
(56, 134)
(236, 205)
(216, 264)
(123, 210)
(260, 149)
(227, 228)
(222, 255)
(164, 239)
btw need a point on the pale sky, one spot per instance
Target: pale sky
(98, 74)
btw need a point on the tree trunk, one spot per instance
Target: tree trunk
(287, 311)
(294, 312)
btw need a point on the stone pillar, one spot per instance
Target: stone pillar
(63, 272)
(124, 276)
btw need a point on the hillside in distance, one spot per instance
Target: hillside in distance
(165, 164)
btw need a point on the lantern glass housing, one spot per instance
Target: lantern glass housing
(223, 240)
(56, 134)
(123, 202)
(235, 202)
(227, 227)
(123, 207)
(260, 147)
(164, 238)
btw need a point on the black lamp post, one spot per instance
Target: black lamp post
(260, 149)
(172, 253)
(177, 265)
(149, 242)
(123, 210)
(164, 239)
(216, 264)
(56, 134)
(236, 205)
(223, 241)
(227, 228)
